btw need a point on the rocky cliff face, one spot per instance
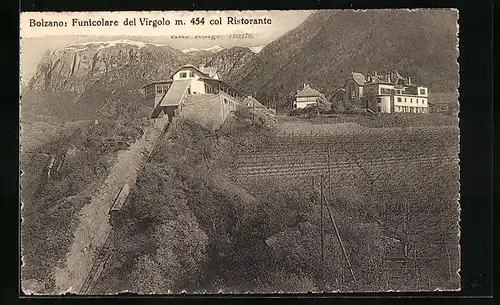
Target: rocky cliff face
(78, 66)
(230, 62)
(96, 73)
(322, 51)
(92, 73)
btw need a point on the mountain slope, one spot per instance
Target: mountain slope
(417, 43)
(230, 63)
(276, 54)
(94, 71)
(79, 80)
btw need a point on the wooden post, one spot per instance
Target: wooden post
(417, 271)
(447, 252)
(405, 228)
(322, 232)
(329, 176)
(342, 276)
(341, 243)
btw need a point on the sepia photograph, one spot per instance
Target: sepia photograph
(238, 152)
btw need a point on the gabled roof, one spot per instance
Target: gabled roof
(359, 78)
(307, 91)
(254, 102)
(191, 67)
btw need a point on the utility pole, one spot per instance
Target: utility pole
(445, 242)
(329, 175)
(322, 233)
(405, 225)
(341, 243)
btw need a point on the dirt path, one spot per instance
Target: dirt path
(94, 225)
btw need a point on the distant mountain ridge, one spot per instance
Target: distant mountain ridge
(322, 51)
(329, 45)
(94, 71)
(212, 49)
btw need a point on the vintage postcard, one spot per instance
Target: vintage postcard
(239, 152)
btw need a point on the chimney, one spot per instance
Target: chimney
(409, 80)
(201, 67)
(375, 73)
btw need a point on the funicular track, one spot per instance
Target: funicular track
(104, 252)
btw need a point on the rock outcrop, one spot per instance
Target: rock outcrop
(78, 66)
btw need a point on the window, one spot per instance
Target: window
(422, 91)
(385, 91)
(405, 99)
(379, 109)
(411, 100)
(191, 74)
(149, 91)
(379, 100)
(183, 75)
(399, 100)
(159, 90)
(189, 90)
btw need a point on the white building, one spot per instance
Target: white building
(305, 96)
(389, 93)
(197, 93)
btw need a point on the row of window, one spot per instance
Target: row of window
(410, 109)
(185, 74)
(156, 90)
(410, 99)
(160, 89)
(210, 89)
(230, 103)
(149, 91)
(397, 91)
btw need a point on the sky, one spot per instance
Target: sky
(36, 41)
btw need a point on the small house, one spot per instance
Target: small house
(306, 96)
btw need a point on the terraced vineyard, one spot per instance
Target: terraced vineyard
(407, 179)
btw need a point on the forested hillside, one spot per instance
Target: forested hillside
(330, 44)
